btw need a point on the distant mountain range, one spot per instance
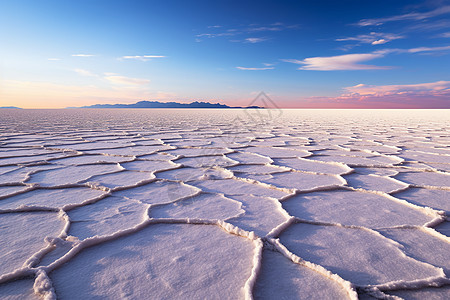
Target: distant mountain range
(157, 104)
(10, 107)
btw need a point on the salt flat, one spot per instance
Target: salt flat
(224, 204)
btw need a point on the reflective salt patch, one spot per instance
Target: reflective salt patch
(249, 158)
(376, 171)
(120, 180)
(189, 174)
(71, 174)
(262, 214)
(425, 178)
(149, 166)
(237, 187)
(159, 192)
(351, 160)
(204, 206)
(313, 166)
(160, 262)
(296, 180)
(158, 156)
(206, 161)
(30, 159)
(91, 159)
(106, 216)
(258, 169)
(277, 152)
(23, 235)
(282, 279)
(360, 256)
(374, 183)
(52, 198)
(194, 152)
(354, 208)
(424, 157)
(437, 199)
(131, 151)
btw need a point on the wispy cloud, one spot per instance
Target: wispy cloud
(116, 79)
(255, 69)
(421, 95)
(254, 40)
(85, 73)
(339, 62)
(220, 31)
(142, 57)
(83, 55)
(445, 35)
(374, 38)
(409, 16)
(428, 49)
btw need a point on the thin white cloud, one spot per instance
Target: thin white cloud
(268, 64)
(254, 40)
(445, 35)
(428, 49)
(141, 57)
(85, 73)
(374, 38)
(83, 55)
(339, 62)
(384, 90)
(116, 79)
(410, 16)
(255, 69)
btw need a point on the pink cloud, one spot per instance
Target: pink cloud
(339, 62)
(422, 95)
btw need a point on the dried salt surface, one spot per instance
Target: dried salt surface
(355, 208)
(280, 278)
(52, 198)
(23, 235)
(358, 255)
(109, 186)
(18, 290)
(374, 183)
(204, 206)
(104, 217)
(70, 175)
(434, 198)
(160, 262)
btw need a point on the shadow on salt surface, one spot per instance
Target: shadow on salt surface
(18, 290)
(203, 206)
(374, 183)
(23, 234)
(442, 293)
(6, 191)
(437, 199)
(206, 161)
(425, 178)
(71, 175)
(277, 152)
(55, 198)
(249, 158)
(282, 279)
(360, 256)
(444, 228)
(160, 262)
(262, 214)
(353, 208)
(91, 159)
(104, 217)
(423, 245)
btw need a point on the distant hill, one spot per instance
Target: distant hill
(10, 107)
(157, 104)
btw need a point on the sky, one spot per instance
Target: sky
(301, 54)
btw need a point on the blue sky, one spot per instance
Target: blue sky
(370, 54)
